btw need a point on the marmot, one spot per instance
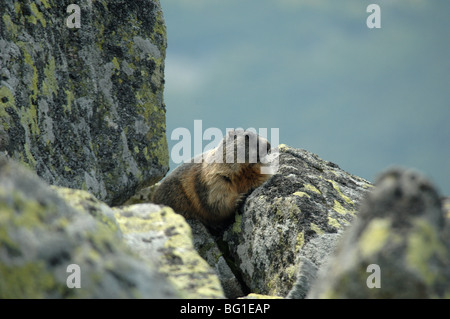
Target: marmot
(212, 185)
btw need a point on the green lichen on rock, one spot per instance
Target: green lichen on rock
(41, 235)
(160, 234)
(401, 228)
(296, 215)
(76, 104)
(85, 202)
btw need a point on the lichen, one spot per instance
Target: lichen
(50, 84)
(28, 116)
(237, 226)
(116, 64)
(345, 198)
(338, 208)
(179, 261)
(423, 245)
(6, 101)
(300, 242)
(85, 202)
(38, 15)
(29, 280)
(374, 236)
(46, 4)
(301, 194)
(316, 229)
(12, 28)
(333, 222)
(312, 188)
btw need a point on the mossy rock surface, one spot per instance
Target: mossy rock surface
(294, 217)
(41, 236)
(159, 234)
(84, 107)
(403, 231)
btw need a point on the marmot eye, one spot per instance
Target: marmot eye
(226, 178)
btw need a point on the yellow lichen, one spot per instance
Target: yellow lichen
(374, 236)
(423, 244)
(316, 229)
(6, 100)
(12, 28)
(312, 188)
(333, 222)
(337, 188)
(301, 194)
(39, 16)
(50, 84)
(337, 207)
(178, 247)
(237, 226)
(300, 242)
(116, 64)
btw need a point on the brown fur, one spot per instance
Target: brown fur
(211, 192)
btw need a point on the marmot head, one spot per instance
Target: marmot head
(239, 146)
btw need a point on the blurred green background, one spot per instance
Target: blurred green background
(362, 98)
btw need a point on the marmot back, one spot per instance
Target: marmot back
(211, 186)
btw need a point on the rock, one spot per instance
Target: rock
(401, 230)
(159, 234)
(258, 296)
(311, 258)
(208, 248)
(41, 236)
(86, 202)
(84, 107)
(143, 195)
(302, 207)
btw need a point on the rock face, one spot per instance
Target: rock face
(293, 219)
(164, 237)
(210, 249)
(399, 246)
(296, 236)
(41, 235)
(83, 107)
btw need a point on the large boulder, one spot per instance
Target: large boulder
(293, 220)
(160, 235)
(43, 238)
(398, 247)
(83, 107)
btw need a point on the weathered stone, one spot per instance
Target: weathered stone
(86, 202)
(84, 107)
(310, 259)
(159, 234)
(142, 196)
(305, 204)
(41, 235)
(258, 296)
(207, 246)
(401, 228)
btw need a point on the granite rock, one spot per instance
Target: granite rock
(83, 107)
(398, 247)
